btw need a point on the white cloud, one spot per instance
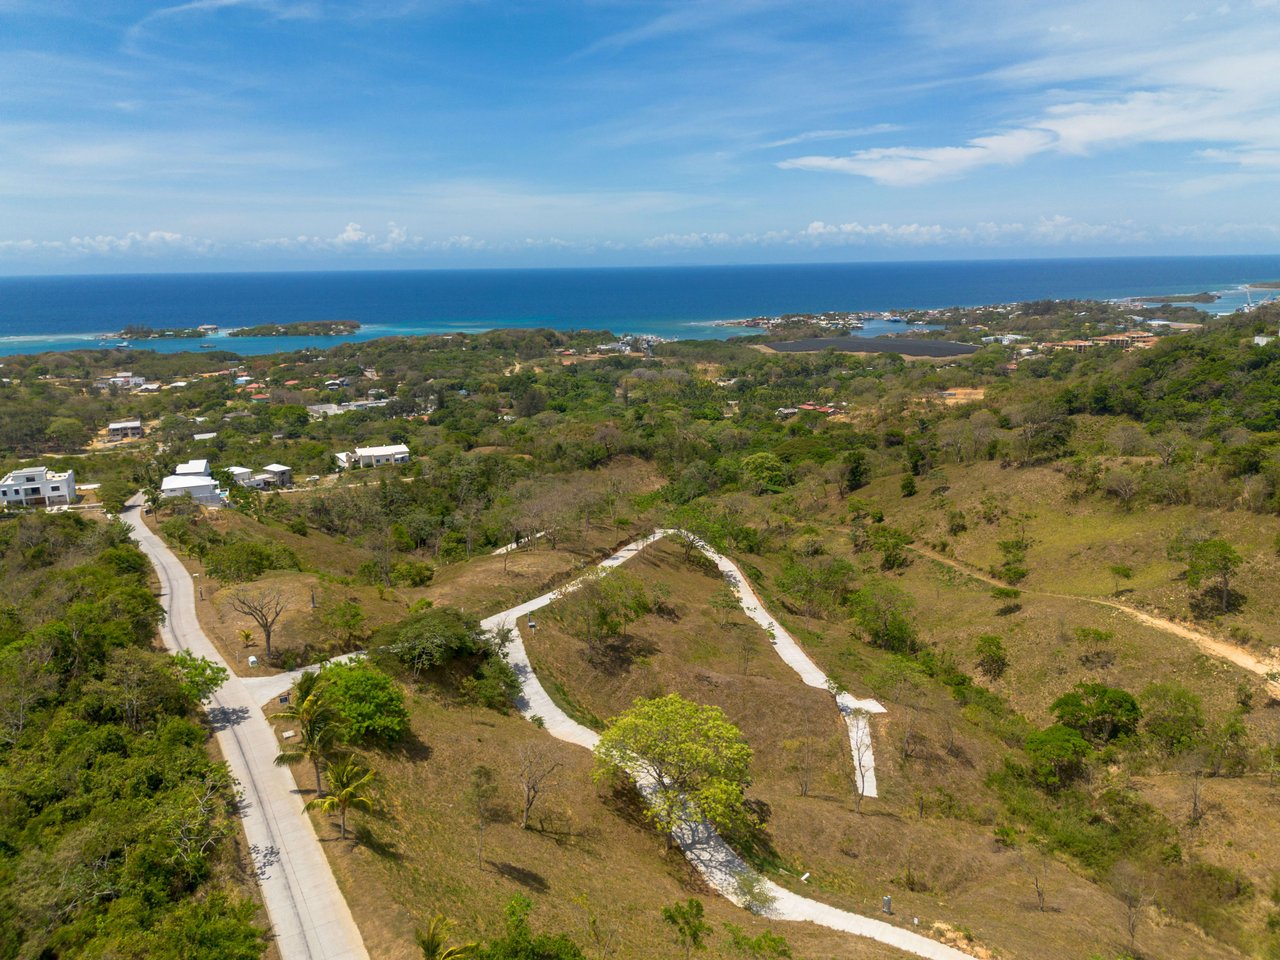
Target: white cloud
(1099, 78)
(811, 135)
(908, 166)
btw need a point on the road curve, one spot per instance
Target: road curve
(309, 918)
(710, 855)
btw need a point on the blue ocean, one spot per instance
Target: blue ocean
(71, 312)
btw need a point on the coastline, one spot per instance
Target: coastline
(74, 313)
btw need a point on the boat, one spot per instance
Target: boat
(207, 346)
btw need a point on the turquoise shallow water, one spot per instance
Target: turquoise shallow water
(64, 313)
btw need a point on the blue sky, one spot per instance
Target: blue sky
(281, 134)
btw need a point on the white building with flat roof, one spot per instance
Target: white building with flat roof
(192, 468)
(381, 456)
(37, 487)
(200, 488)
(124, 429)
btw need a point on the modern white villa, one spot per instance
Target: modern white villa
(192, 479)
(37, 487)
(272, 475)
(374, 456)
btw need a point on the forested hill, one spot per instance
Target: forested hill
(1217, 378)
(115, 824)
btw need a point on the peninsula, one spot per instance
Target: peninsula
(301, 328)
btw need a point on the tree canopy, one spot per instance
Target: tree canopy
(688, 758)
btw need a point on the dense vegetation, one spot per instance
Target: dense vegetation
(116, 824)
(516, 434)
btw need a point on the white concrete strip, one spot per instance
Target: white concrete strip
(268, 688)
(524, 541)
(854, 711)
(309, 917)
(722, 868)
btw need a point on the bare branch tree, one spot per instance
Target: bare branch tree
(863, 759)
(263, 606)
(536, 767)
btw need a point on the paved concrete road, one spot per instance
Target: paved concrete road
(310, 920)
(710, 855)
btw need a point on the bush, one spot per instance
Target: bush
(242, 560)
(992, 659)
(412, 573)
(371, 703)
(1057, 755)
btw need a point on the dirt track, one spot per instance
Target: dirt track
(1210, 645)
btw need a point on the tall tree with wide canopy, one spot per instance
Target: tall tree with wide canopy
(690, 761)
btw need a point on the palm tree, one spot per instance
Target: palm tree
(435, 942)
(350, 786)
(319, 727)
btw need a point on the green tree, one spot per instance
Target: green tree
(599, 607)
(350, 788)
(434, 637)
(135, 688)
(908, 486)
(319, 728)
(66, 433)
(434, 941)
(695, 762)
(767, 946)
(880, 611)
(370, 703)
(216, 928)
(520, 943)
(1119, 572)
(1097, 712)
(1057, 755)
(1213, 559)
(992, 659)
(855, 470)
(892, 544)
(764, 473)
(344, 621)
(199, 677)
(687, 922)
(1173, 717)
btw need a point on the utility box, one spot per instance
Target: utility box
(886, 904)
(253, 661)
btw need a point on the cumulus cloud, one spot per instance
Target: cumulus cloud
(150, 244)
(906, 166)
(398, 244)
(1087, 90)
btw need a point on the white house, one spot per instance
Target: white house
(244, 477)
(381, 456)
(37, 487)
(202, 489)
(280, 475)
(192, 468)
(345, 459)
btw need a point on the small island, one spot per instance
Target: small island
(139, 331)
(300, 328)
(1181, 298)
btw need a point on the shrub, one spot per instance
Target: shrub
(371, 703)
(1057, 755)
(992, 659)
